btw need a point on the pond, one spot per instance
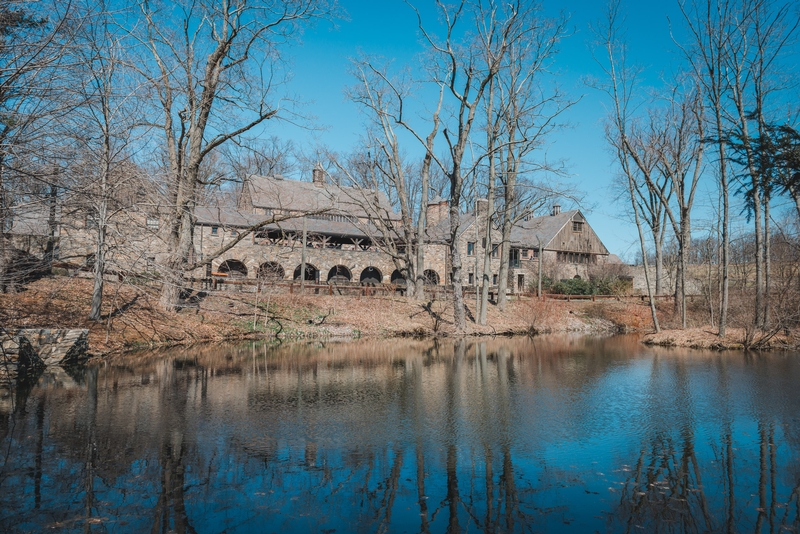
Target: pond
(552, 434)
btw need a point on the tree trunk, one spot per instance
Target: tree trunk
(767, 262)
(174, 277)
(52, 228)
(759, 237)
(459, 317)
(726, 239)
(487, 253)
(644, 255)
(99, 265)
(658, 244)
(419, 288)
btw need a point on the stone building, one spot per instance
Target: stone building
(343, 237)
(349, 235)
(569, 246)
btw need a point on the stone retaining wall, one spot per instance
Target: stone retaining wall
(26, 350)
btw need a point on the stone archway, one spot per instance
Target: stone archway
(371, 275)
(312, 273)
(397, 278)
(430, 277)
(233, 268)
(271, 271)
(339, 274)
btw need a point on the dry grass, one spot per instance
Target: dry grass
(132, 318)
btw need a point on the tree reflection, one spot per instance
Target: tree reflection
(170, 511)
(489, 436)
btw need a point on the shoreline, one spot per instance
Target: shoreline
(133, 322)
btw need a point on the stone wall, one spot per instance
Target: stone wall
(32, 348)
(255, 253)
(17, 357)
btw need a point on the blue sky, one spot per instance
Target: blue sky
(388, 28)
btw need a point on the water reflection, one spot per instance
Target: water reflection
(552, 434)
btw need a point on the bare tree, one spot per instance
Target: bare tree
(465, 61)
(758, 43)
(679, 149)
(213, 70)
(101, 126)
(384, 99)
(529, 111)
(710, 24)
(34, 39)
(650, 199)
(619, 86)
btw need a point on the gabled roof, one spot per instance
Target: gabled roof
(525, 234)
(277, 193)
(541, 229)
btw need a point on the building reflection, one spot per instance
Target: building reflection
(504, 435)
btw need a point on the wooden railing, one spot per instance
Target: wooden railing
(369, 290)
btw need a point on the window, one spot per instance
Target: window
(152, 223)
(483, 246)
(577, 226)
(471, 279)
(494, 279)
(495, 250)
(234, 233)
(470, 248)
(525, 254)
(214, 230)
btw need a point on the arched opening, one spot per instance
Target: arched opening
(312, 273)
(233, 268)
(397, 278)
(339, 274)
(371, 275)
(271, 271)
(430, 277)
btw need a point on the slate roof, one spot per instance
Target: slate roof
(233, 218)
(541, 229)
(440, 233)
(525, 234)
(279, 193)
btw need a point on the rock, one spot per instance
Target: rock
(60, 347)
(18, 357)
(51, 346)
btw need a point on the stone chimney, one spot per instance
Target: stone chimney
(245, 200)
(556, 209)
(436, 211)
(481, 207)
(318, 175)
